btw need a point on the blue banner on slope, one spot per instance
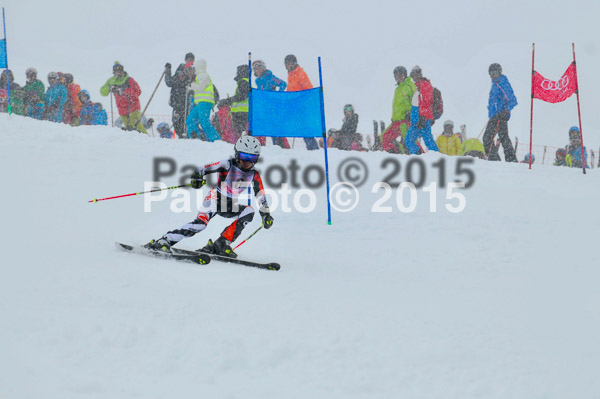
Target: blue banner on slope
(3, 53)
(286, 113)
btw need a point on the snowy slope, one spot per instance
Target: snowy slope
(498, 301)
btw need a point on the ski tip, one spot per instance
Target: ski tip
(274, 266)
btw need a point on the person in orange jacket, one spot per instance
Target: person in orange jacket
(72, 107)
(297, 81)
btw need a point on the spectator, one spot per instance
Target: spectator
(17, 94)
(205, 97)
(501, 101)
(449, 142)
(421, 113)
(560, 157)
(401, 107)
(265, 80)
(90, 113)
(164, 131)
(34, 95)
(473, 148)
(526, 159)
(573, 150)
(55, 99)
(127, 96)
(178, 100)
(73, 105)
(346, 138)
(298, 80)
(239, 102)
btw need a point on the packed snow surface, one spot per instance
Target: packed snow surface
(498, 301)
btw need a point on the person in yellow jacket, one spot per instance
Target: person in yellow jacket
(449, 142)
(473, 148)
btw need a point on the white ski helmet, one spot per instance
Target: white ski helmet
(248, 145)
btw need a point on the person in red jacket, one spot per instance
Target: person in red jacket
(421, 114)
(298, 80)
(127, 95)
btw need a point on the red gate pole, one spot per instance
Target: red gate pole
(579, 111)
(531, 115)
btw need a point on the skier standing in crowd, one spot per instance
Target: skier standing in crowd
(55, 98)
(178, 100)
(501, 101)
(34, 95)
(127, 96)
(449, 142)
(265, 80)
(205, 96)
(573, 150)
(421, 113)
(298, 80)
(91, 113)
(239, 102)
(236, 175)
(401, 107)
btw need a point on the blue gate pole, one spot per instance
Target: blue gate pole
(6, 55)
(249, 94)
(324, 142)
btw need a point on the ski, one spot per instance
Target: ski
(220, 258)
(375, 136)
(194, 257)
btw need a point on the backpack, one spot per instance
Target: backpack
(438, 104)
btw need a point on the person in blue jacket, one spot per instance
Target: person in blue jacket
(502, 100)
(91, 113)
(573, 150)
(55, 98)
(265, 80)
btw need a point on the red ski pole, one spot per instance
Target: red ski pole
(143, 192)
(249, 237)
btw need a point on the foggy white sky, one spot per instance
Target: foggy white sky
(360, 43)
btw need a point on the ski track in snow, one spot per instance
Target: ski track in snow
(499, 301)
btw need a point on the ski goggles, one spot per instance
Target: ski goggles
(248, 157)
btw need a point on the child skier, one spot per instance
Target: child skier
(236, 174)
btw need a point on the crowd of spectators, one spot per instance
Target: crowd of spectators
(194, 98)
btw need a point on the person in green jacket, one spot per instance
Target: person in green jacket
(34, 95)
(401, 108)
(16, 94)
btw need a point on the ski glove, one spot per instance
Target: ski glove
(168, 66)
(267, 220)
(504, 115)
(118, 90)
(197, 180)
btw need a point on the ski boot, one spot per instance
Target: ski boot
(220, 247)
(162, 245)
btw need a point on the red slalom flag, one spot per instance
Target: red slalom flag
(555, 91)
